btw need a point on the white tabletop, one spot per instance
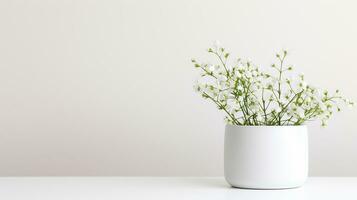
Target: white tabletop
(168, 188)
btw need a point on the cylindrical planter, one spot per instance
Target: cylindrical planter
(266, 157)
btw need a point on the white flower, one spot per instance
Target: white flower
(222, 78)
(274, 81)
(254, 73)
(248, 74)
(222, 97)
(318, 93)
(254, 87)
(232, 105)
(302, 76)
(240, 68)
(254, 108)
(211, 68)
(216, 45)
(300, 112)
(322, 106)
(237, 74)
(302, 84)
(259, 118)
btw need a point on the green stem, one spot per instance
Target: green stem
(223, 108)
(223, 63)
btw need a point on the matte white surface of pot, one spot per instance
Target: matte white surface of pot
(266, 157)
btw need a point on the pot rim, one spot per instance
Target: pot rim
(265, 126)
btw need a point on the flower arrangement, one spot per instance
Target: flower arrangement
(249, 96)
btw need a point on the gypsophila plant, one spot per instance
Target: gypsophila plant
(249, 96)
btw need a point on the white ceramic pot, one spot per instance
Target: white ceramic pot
(266, 157)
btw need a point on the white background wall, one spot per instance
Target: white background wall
(92, 87)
